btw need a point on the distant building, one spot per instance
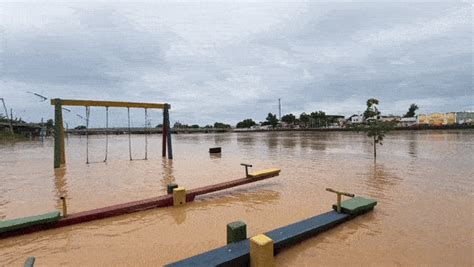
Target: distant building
(465, 117)
(355, 119)
(335, 120)
(437, 119)
(407, 122)
(389, 118)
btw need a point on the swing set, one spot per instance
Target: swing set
(59, 149)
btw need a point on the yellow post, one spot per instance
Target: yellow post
(179, 196)
(261, 251)
(339, 194)
(64, 207)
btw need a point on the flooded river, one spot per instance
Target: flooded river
(422, 180)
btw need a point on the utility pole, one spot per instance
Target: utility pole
(279, 109)
(6, 116)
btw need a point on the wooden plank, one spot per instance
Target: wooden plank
(297, 232)
(356, 205)
(226, 185)
(93, 103)
(264, 172)
(120, 209)
(237, 254)
(15, 224)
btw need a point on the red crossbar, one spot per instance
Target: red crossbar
(120, 209)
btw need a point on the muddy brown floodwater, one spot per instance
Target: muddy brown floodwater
(422, 180)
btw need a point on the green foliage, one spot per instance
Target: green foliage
(247, 123)
(3, 118)
(411, 111)
(304, 119)
(319, 118)
(80, 127)
(373, 128)
(50, 124)
(7, 136)
(179, 125)
(159, 125)
(376, 130)
(221, 125)
(271, 120)
(289, 118)
(372, 111)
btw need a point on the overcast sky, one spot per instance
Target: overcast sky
(223, 61)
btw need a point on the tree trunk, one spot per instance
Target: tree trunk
(375, 148)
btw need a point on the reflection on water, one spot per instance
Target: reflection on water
(412, 146)
(222, 139)
(167, 177)
(272, 141)
(215, 156)
(413, 170)
(289, 141)
(379, 180)
(60, 184)
(246, 139)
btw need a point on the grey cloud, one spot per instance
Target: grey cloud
(212, 65)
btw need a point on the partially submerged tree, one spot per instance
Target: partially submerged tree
(377, 131)
(373, 128)
(411, 111)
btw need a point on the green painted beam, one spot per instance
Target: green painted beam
(10, 225)
(356, 205)
(30, 262)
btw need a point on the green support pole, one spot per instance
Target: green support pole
(30, 262)
(236, 231)
(170, 148)
(170, 187)
(163, 131)
(59, 153)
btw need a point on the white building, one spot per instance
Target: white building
(407, 122)
(355, 119)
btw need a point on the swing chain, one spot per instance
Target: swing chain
(88, 111)
(146, 132)
(129, 135)
(106, 133)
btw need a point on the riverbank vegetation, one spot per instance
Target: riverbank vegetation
(7, 136)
